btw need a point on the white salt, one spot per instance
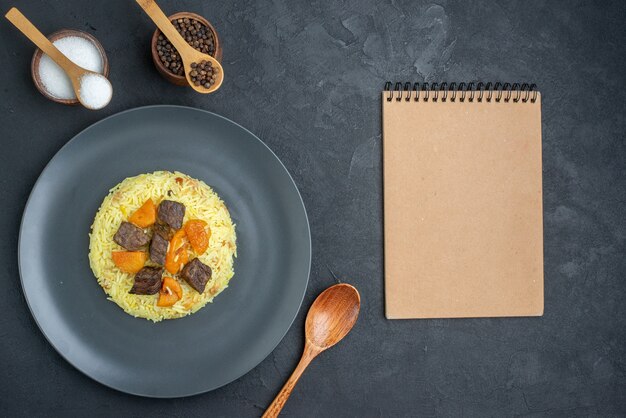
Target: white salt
(95, 91)
(80, 51)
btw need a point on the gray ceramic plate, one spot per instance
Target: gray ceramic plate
(222, 341)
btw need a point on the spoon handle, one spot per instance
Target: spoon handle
(163, 23)
(27, 28)
(279, 402)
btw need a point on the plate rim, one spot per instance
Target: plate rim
(20, 243)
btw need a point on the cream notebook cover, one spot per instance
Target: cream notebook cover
(462, 201)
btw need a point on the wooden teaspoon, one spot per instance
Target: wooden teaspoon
(330, 318)
(187, 53)
(77, 74)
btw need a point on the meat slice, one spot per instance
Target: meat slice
(131, 237)
(147, 281)
(164, 231)
(197, 274)
(158, 249)
(171, 213)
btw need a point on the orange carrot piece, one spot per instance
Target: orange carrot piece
(170, 292)
(176, 256)
(129, 261)
(145, 215)
(197, 235)
(182, 256)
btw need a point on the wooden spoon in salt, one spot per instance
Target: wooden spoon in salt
(93, 90)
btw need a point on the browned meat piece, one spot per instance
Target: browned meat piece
(197, 274)
(164, 230)
(147, 281)
(131, 237)
(171, 213)
(158, 249)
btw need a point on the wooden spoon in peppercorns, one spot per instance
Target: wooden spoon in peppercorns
(203, 72)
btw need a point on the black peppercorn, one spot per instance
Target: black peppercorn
(207, 75)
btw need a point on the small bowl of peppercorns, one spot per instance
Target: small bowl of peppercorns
(198, 33)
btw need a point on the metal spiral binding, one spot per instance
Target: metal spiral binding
(462, 91)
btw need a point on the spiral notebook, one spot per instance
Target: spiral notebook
(462, 200)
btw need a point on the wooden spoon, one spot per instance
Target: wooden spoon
(76, 73)
(187, 53)
(330, 318)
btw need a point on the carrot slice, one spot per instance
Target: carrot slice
(170, 292)
(145, 215)
(197, 235)
(129, 261)
(176, 256)
(182, 256)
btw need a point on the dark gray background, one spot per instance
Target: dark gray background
(305, 77)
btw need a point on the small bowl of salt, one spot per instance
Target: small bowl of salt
(82, 49)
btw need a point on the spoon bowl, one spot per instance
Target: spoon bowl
(86, 79)
(332, 315)
(194, 56)
(330, 318)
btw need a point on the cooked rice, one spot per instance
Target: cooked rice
(201, 202)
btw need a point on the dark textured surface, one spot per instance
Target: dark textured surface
(305, 77)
